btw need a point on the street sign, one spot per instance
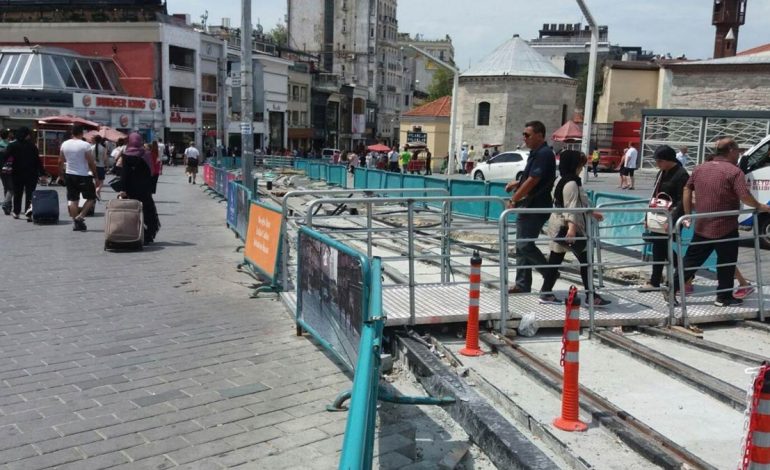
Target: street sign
(246, 128)
(421, 137)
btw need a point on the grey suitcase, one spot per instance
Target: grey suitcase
(123, 225)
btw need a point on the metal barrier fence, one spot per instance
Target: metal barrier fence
(238, 199)
(685, 220)
(296, 216)
(432, 238)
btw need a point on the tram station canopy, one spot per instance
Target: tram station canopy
(57, 69)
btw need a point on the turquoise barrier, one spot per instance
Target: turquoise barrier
(495, 188)
(414, 182)
(394, 181)
(301, 164)
(337, 175)
(359, 178)
(621, 228)
(375, 179)
(465, 188)
(314, 171)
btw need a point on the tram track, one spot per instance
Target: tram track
(642, 438)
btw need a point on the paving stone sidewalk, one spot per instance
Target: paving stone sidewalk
(153, 359)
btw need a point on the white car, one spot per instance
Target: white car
(503, 166)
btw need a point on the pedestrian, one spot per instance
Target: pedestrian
(719, 186)
(120, 145)
(486, 155)
(137, 183)
(463, 158)
(191, 156)
(569, 194)
(471, 160)
(671, 181)
(99, 151)
(428, 164)
(75, 161)
(532, 190)
(172, 153)
(405, 157)
(156, 164)
(682, 156)
(5, 171)
(25, 171)
(393, 160)
(595, 157)
(629, 167)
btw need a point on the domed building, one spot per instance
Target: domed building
(512, 85)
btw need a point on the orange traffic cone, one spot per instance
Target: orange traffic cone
(756, 455)
(570, 407)
(472, 330)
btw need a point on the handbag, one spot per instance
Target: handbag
(657, 222)
(7, 168)
(577, 245)
(116, 184)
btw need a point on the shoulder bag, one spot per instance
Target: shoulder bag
(657, 222)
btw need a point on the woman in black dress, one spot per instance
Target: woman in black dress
(136, 179)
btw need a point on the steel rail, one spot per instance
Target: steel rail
(643, 439)
(706, 345)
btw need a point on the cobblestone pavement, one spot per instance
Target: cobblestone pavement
(153, 359)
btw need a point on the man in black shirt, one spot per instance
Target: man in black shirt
(533, 190)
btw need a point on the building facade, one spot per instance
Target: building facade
(511, 86)
(357, 45)
(418, 69)
(300, 132)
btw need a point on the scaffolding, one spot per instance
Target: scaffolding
(699, 130)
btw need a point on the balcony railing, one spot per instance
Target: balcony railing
(208, 99)
(182, 68)
(181, 109)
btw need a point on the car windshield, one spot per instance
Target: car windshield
(756, 160)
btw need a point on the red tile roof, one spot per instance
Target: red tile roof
(441, 107)
(755, 50)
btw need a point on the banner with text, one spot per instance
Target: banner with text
(263, 239)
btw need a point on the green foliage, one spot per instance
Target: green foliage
(441, 84)
(582, 84)
(279, 34)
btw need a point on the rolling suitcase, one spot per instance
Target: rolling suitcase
(123, 225)
(45, 206)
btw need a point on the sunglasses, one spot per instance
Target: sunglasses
(526, 135)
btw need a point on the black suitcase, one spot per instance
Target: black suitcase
(45, 206)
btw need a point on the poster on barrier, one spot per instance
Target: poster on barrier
(242, 197)
(263, 238)
(331, 298)
(231, 206)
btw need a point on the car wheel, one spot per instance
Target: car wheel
(478, 176)
(764, 231)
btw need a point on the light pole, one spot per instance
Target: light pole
(453, 116)
(247, 90)
(588, 112)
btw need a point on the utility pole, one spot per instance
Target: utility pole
(247, 91)
(588, 112)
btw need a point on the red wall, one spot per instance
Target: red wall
(138, 60)
(624, 132)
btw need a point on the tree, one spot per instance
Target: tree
(582, 85)
(279, 34)
(441, 84)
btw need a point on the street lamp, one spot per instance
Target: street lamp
(453, 116)
(588, 112)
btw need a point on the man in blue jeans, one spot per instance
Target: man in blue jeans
(533, 190)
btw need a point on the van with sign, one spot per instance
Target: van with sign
(755, 163)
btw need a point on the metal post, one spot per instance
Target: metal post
(503, 271)
(680, 272)
(247, 90)
(588, 112)
(369, 230)
(598, 245)
(669, 268)
(758, 264)
(222, 101)
(590, 260)
(410, 253)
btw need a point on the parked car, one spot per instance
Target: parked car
(755, 163)
(505, 165)
(609, 159)
(326, 154)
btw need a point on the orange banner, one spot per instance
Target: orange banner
(263, 238)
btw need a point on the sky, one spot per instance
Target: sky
(477, 27)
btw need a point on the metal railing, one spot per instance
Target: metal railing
(681, 268)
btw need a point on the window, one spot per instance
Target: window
(482, 118)
(89, 75)
(760, 158)
(295, 93)
(295, 118)
(303, 94)
(64, 71)
(507, 157)
(303, 118)
(101, 75)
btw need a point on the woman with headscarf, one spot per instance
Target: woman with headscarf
(26, 169)
(568, 194)
(136, 180)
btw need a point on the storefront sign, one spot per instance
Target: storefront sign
(417, 137)
(32, 113)
(87, 100)
(182, 118)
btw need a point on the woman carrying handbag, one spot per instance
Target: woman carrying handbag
(569, 228)
(669, 188)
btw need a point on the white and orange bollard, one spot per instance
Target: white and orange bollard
(756, 454)
(472, 330)
(570, 360)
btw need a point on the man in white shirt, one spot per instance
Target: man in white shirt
(75, 161)
(191, 155)
(463, 158)
(682, 156)
(629, 166)
(162, 151)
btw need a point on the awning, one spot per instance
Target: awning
(569, 132)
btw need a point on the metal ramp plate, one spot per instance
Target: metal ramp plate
(437, 303)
